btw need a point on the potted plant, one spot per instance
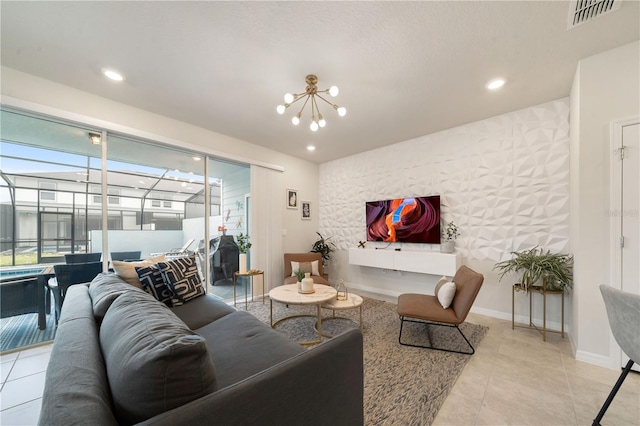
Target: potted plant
(324, 247)
(300, 276)
(554, 269)
(243, 247)
(450, 234)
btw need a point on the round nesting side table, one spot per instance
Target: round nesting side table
(288, 294)
(353, 302)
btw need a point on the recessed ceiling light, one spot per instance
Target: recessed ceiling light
(196, 158)
(495, 84)
(311, 148)
(113, 75)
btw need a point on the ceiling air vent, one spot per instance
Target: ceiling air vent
(581, 11)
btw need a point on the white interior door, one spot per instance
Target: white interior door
(630, 213)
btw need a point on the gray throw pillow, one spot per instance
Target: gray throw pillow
(154, 362)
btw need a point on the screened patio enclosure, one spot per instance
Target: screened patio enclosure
(62, 193)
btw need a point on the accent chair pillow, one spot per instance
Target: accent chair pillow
(154, 362)
(152, 282)
(446, 293)
(439, 284)
(127, 270)
(182, 278)
(311, 267)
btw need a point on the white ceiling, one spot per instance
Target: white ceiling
(404, 69)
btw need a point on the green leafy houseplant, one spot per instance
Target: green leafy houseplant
(243, 243)
(299, 274)
(324, 247)
(555, 269)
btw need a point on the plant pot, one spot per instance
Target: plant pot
(447, 247)
(242, 263)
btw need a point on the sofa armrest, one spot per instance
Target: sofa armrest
(321, 386)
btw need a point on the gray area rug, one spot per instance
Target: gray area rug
(402, 385)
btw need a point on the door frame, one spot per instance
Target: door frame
(41, 238)
(615, 218)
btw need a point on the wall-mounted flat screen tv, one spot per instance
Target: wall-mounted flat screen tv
(404, 220)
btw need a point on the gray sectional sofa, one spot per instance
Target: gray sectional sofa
(122, 357)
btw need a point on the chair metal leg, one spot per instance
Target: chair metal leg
(612, 394)
(427, 323)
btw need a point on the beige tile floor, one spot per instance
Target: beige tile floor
(514, 378)
(22, 375)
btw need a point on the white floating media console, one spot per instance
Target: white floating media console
(422, 262)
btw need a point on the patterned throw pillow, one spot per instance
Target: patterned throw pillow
(127, 270)
(152, 282)
(182, 278)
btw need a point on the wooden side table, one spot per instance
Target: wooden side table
(249, 275)
(543, 291)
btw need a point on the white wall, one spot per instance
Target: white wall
(606, 87)
(45, 96)
(504, 181)
(146, 241)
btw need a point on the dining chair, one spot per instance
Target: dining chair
(81, 257)
(126, 255)
(623, 311)
(68, 275)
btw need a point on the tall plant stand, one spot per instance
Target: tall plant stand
(539, 290)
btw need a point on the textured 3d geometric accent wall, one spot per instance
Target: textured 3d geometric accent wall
(504, 181)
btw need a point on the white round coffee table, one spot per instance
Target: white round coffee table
(288, 294)
(353, 302)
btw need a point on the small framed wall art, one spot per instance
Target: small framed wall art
(292, 198)
(306, 210)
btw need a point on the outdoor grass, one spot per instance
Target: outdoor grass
(23, 259)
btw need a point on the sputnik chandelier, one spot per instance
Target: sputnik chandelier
(309, 95)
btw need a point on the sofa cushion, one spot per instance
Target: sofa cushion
(154, 362)
(241, 346)
(182, 278)
(152, 282)
(76, 375)
(201, 311)
(104, 289)
(127, 270)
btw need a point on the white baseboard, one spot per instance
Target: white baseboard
(601, 360)
(519, 319)
(591, 358)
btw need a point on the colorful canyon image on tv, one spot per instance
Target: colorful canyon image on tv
(404, 220)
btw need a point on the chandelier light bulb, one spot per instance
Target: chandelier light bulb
(313, 126)
(322, 122)
(295, 120)
(342, 111)
(333, 91)
(288, 98)
(281, 109)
